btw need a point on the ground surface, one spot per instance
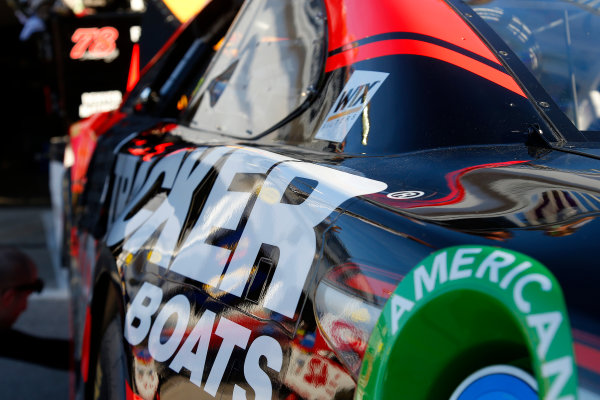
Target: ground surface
(30, 229)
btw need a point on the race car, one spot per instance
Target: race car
(347, 199)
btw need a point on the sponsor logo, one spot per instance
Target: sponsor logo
(522, 284)
(358, 92)
(189, 349)
(95, 102)
(405, 195)
(313, 376)
(257, 199)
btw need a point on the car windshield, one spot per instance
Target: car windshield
(559, 42)
(265, 69)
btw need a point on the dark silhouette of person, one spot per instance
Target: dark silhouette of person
(18, 279)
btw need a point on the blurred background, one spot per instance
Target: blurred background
(61, 61)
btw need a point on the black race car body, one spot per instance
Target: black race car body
(351, 200)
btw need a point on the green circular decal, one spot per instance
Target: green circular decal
(464, 308)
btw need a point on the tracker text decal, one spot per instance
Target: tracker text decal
(259, 197)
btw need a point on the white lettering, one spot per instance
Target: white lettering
(194, 351)
(202, 261)
(546, 326)
(521, 303)
(460, 260)
(194, 361)
(498, 259)
(138, 311)
(164, 171)
(173, 211)
(400, 305)
(508, 278)
(421, 277)
(272, 221)
(290, 227)
(259, 381)
(95, 102)
(562, 368)
(178, 306)
(233, 335)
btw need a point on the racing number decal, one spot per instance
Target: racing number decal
(273, 220)
(94, 43)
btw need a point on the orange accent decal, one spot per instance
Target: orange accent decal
(184, 10)
(350, 111)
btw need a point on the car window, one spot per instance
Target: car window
(264, 70)
(165, 88)
(558, 42)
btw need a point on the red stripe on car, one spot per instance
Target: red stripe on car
(587, 357)
(85, 348)
(352, 20)
(134, 67)
(419, 48)
(457, 190)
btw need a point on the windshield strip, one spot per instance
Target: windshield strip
(559, 129)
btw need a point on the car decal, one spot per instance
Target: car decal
(190, 350)
(145, 374)
(494, 63)
(427, 17)
(468, 297)
(418, 48)
(355, 96)
(313, 376)
(258, 198)
(99, 102)
(427, 28)
(405, 195)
